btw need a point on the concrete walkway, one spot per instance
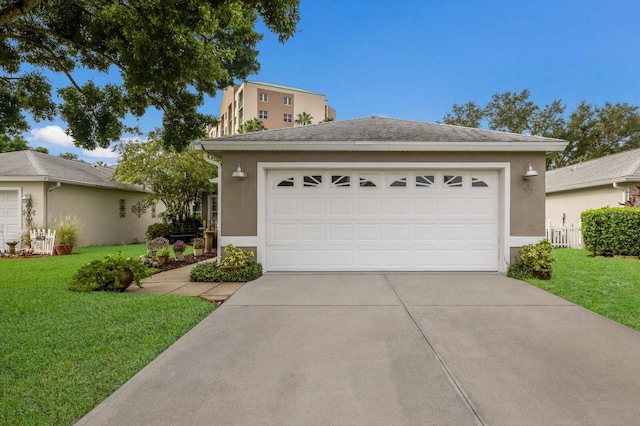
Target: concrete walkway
(176, 282)
(389, 349)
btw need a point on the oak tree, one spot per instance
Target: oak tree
(162, 54)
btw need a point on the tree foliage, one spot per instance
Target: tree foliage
(17, 143)
(168, 54)
(253, 125)
(177, 179)
(592, 131)
(9, 144)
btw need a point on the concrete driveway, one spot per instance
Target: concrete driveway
(389, 349)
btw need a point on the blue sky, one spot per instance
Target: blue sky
(416, 60)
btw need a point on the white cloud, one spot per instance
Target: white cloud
(100, 153)
(53, 135)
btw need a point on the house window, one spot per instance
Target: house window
(399, 183)
(425, 180)
(287, 182)
(264, 97)
(288, 100)
(313, 181)
(287, 118)
(263, 114)
(453, 181)
(340, 181)
(477, 183)
(364, 182)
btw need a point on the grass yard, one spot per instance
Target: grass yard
(608, 286)
(61, 353)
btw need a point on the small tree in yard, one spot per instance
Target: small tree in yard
(177, 179)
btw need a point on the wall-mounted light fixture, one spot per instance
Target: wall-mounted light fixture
(529, 171)
(239, 173)
(28, 212)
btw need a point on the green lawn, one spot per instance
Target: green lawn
(61, 352)
(608, 286)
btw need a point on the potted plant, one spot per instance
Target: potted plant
(162, 256)
(235, 258)
(198, 246)
(113, 273)
(67, 234)
(179, 248)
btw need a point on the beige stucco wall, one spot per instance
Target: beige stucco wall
(239, 197)
(98, 210)
(573, 203)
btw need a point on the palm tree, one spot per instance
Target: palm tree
(304, 118)
(253, 125)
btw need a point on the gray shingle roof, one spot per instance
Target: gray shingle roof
(35, 165)
(383, 129)
(620, 167)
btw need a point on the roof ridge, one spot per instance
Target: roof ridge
(35, 162)
(606, 158)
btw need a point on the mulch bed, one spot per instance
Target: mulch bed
(188, 260)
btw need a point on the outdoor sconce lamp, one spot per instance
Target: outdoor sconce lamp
(529, 171)
(28, 211)
(239, 173)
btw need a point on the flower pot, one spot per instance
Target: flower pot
(179, 257)
(62, 250)
(197, 252)
(126, 278)
(162, 260)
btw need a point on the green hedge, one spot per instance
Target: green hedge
(210, 272)
(612, 231)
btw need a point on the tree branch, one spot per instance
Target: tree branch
(16, 9)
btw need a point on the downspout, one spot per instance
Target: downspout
(624, 191)
(209, 160)
(46, 219)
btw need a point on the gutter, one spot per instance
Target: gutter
(624, 191)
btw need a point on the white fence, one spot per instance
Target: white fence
(42, 240)
(565, 235)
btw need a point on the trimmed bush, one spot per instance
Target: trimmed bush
(159, 230)
(612, 231)
(210, 272)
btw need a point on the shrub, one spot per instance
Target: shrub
(234, 256)
(105, 275)
(158, 230)
(210, 272)
(535, 261)
(612, 231)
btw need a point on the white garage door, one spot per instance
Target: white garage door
(382, 220)
(9, 216)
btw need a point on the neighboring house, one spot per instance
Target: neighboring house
(277, 106)
(605, 181)
(108, 212)
(381, 194)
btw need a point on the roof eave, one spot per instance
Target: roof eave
(219, 146)
(592, 184)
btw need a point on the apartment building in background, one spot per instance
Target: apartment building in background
(277, 106)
